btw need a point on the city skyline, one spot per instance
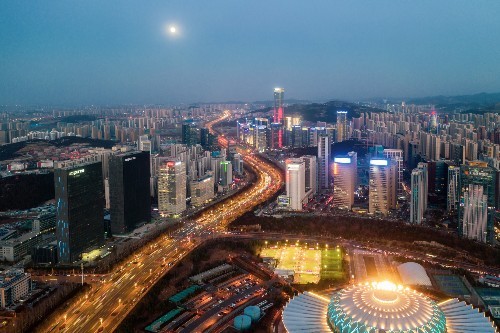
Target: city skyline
(66, 54)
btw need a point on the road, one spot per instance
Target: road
(107, 305)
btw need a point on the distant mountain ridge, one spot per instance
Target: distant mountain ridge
(480, 99)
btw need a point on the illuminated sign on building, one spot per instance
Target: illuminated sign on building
(283, 201)
(344, 160)
(129, 159)
(76, 172)
(378, 162)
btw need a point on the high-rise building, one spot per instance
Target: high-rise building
(190, 134)
(295, 182)
(279, 112)
(226, 173)
(425, 174)
(260, 137)
(453, 196)
(478, 173)
(417, 200)
(397, 156)
(79, 195)
(311, 173)
(475, 214)
(324, 153)
(342, 129)
(345, 170)
(202, 190)
(382, 183)
(129, 191)
(172, 188)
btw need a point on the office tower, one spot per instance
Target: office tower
(342, 129)
(311, 173)
(190, 134)
(279, 95)
(202, 190)
(453, 189)
(295, 182)
(425, 170)
(457, 153)
(397, 156)
(344, 180)
(279, 112)
(382, 183)
(226, 173)
(324, 152)
(129, 192)
(475, 214)
(478, 173)
(297, 136)
(260, 138)
(172, 188)
(417, 197)
(238, 164)
(79, 195)
(274, 135)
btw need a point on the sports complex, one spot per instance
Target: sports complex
(308, 263)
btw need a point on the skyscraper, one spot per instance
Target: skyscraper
(477, 173)
(129, 182)
(295, 182)
(342, 129)
(311, 173)
(79, 195)
(279, 112)
(344, 180)
(324, 152)
(226, 173)
(475, 214)
(172, 188)
(453, 188)
(382, 182)
(397, 156)
(417, 200)
(279, 94)
(190, 134)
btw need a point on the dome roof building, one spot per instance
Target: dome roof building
(380, 307)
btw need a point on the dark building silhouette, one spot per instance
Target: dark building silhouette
(190, 134)
(129, 195)
(79, 193)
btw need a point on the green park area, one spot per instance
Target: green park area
(310, 263)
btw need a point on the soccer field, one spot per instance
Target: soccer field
(309, 264)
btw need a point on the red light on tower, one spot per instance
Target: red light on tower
(279, 94)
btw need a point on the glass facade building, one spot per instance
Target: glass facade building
(477, 173)
(79, 194)
(130, 200)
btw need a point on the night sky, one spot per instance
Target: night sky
(119, 52)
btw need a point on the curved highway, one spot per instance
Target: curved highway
(104, 307)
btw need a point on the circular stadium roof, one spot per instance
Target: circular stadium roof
(374, 305)
(413, 274)
(384, 306)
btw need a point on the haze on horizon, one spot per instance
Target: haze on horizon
(120, 52)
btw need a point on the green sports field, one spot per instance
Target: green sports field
(310, 264)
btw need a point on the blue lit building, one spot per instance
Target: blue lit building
(79, 194)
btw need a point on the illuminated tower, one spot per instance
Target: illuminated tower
(344, 180)
(342, 130)
(295, 182)
(279, 94)
(172, 188)
(382, 195)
